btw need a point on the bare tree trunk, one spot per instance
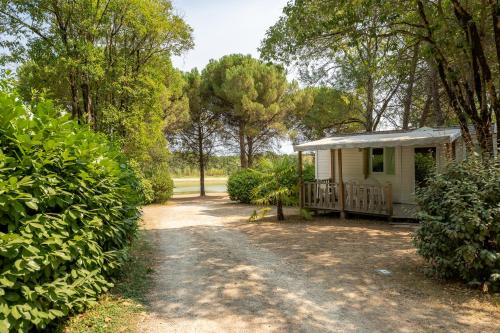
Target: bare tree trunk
(249, 152)
(436, 103)
(243, 156)
(76, 113)
(279, 210)
(409, 89)
(425, 111)
(87, 103)
(201, 161)
(370, 104)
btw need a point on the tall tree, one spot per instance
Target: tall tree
(97, 57)
(252, 98)
(321, 111)
(463, 39)
(346, 44)
(200, 136)
(108, 63)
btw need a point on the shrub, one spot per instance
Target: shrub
(241, 184)
(68, 210)
(145, 185)
(459, 233)
(162, 184)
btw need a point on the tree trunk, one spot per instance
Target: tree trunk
(409, 89)
(370, 104)
(250, 152)
(76, 113)
(436, 103)
(87, 103)
(425, 112)
(201, 162)
(243, 156)
(279, 210)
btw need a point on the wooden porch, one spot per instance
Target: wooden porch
(349, 197)
(357, 198)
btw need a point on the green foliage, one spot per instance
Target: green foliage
(459, 233)
(109, 63)
(241, 184)
(145, 185)
(253, 98)
(322, 111)
(68, 210)
(425, 167)
(278, 183)
(345, 43)
(162, 184)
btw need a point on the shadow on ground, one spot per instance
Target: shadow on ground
(215, 272)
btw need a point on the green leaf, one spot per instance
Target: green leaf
(32, 204)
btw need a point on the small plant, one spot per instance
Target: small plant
(278, 184)
(459, 234)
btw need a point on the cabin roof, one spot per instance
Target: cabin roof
(421, 136)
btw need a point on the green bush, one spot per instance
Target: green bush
(459, 233)
(241, 184)
(68, 210)
(145, 185)
(162, 184)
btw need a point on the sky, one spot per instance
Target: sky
(222, 27)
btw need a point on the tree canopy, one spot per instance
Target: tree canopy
(384, 51)
(252, 97)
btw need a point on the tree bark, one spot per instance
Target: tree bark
(201, 162)
(243, 153)
(409, 89)
(76, 112)
(250, 152)
(370, 104)
(87, 103)
(436, 102)
(279, 210)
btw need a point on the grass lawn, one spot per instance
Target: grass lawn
(123, 307)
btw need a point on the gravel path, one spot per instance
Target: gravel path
(217, 273)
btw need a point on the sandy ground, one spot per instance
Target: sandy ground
(215, 272)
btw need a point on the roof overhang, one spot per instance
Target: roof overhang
(423, 136)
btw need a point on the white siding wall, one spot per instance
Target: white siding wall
(403, 181)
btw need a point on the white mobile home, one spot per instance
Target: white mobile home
(375, 173)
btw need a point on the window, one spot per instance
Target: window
(377, 159)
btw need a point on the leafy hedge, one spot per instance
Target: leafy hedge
(459, 233)
(241, 184)
(68, 210)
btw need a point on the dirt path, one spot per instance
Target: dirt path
(217, 273)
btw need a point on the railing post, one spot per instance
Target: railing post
(301, 183)
(341, 185)
(388, 199)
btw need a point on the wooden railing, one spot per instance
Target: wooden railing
(322, 194)
(358, 198)
(364, 198)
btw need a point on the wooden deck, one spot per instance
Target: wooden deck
(355, 198)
